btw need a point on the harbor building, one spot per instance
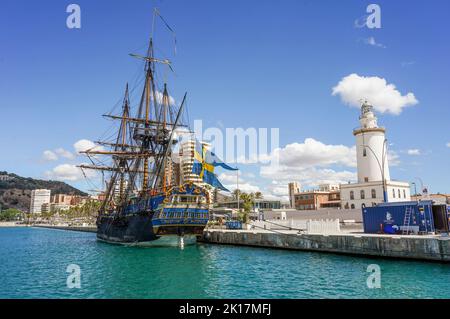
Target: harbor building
(436, 198)
(61, 199)
(374, 183)
(294, 188)
(258, 204)
(326, 196)
(40, 200)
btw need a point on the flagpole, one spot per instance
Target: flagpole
(237, 189)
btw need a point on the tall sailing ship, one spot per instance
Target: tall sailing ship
(143, 204)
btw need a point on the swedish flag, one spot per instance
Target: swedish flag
(204, 164)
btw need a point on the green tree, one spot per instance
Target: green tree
(248, 202)
(10, 214)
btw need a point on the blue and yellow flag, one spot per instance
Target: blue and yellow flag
(204, 164)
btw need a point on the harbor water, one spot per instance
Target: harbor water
(34, 264)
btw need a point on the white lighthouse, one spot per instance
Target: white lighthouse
(374, 183)
(371, 148)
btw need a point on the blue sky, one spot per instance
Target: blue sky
(259, 64)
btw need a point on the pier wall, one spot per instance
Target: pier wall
(432, 248)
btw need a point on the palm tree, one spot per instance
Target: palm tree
(248, 201)
(258, 195)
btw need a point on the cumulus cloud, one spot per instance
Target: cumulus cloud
(49, 156)
(313, 153)
(84, 145)
(414, 151)
(244, 187)
(159, 98)
(55, 154)
(393, 158)
(229, 178)
(278, 189)
(64, 153)
(230, 181)
(309, 163)
(383, 96)
(371, 41)
(310, 176)
(68, 172)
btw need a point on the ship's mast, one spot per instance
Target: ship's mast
(123, 163)
(143, 145)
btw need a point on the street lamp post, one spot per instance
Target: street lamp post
(381, 166)
(415, 188)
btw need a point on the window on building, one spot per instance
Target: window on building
(352, 195)
(404, 193)
(374, 193)
(363, 194)
(364, 152)
(353, 206)
(399, 196)
(366, 179)
(393, 193)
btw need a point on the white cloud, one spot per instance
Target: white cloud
(49, 156)
(68, 172)
(414, 151)
(393, 158)
(159, 98)
(310, 176)
(63, 153)
(309, 163)
(229, 178)
(84, 145)
(313, 153)
(283, 199)
(371, 41)
(278, 189)
(244, 187)
(383, 96)
(448, 144)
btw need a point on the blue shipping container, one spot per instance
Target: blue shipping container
(389, 218)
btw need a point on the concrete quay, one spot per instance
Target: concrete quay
(426, 247)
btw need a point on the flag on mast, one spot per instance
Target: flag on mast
(205, 162)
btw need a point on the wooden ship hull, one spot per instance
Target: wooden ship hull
(172, 219)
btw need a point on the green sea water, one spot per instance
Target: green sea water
(33, 264)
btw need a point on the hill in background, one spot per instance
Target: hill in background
(15, 191)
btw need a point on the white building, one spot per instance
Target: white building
(39, 198)
(373, 167)
(187, 150)
(328, 187)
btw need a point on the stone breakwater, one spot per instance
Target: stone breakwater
(430, 248)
